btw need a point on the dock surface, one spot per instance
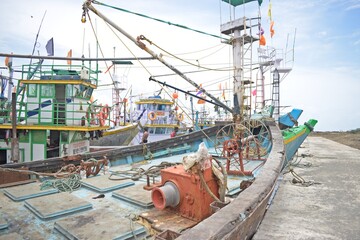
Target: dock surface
(327, 206)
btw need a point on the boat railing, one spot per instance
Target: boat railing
(163, 122)
(66, 113)
(60, 72)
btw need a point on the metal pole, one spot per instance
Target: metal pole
(124, 113)
(192, 110)
(14, 139)
(180, 90)
(74, 58)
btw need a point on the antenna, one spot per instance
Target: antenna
(37, 36)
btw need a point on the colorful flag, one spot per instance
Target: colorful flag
(199, 90)
(223, 94)
(261, 31)
(200, 101)
(272, 32)
(269, 12)
(262, 40)
(253, 92)
(69, 55)
(50, 47)
(8, 61)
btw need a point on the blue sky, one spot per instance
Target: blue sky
(324, 82)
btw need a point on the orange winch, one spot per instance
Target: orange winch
(183, 192)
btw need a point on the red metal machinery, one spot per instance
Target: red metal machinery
(184, 193)
(232, 151)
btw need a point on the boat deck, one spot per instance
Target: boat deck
(30, 213)
(327, 209)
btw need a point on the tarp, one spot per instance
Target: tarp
(240, 2)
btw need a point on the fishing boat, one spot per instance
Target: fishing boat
(214, 183)
(51, 114)
(159, 115)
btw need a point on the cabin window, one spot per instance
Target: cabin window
(78, 91)
(69, 91)
(82, 91)
(88, 93)
(32, 90)
(64, 136)
(47, 90)
(39, 136)
(161, 107)
(152, 106)
(23, 136)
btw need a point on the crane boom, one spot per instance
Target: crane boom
(88, 6)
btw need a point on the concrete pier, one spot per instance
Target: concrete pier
(327, 206)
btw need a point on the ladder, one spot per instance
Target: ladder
(241, 32)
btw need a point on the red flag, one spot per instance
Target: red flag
(262, 40)
(69, 55)
(253, 92)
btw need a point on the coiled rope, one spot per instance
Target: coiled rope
(70, 184)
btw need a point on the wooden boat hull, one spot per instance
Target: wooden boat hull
(121, 136)
(237, 220)
(294, 137)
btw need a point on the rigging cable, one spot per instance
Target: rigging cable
(97, 40)
(159, 20)
(141, 37)
(196, 65)
(162, 87)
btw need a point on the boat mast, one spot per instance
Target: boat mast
(242, 42)
(87, 6)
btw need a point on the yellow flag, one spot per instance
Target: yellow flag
(269, 11)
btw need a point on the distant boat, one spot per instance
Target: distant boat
(290, 119)
(159, 115)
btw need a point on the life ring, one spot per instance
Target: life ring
(101, 119)
(152, 116)
(103, 115)
(105, 111)
(180, 117)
